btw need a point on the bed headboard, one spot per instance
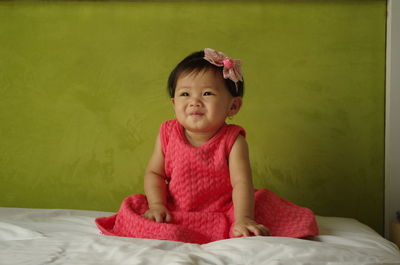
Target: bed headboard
(82, 92)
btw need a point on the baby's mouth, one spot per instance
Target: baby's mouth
(196, 114)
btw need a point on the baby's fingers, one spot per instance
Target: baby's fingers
(241, 231)
(259, 230)
(159, 218)
(168, 217)
(156, 217)
(148, 216)
(163, 217)
(255, 230)
(265, 231)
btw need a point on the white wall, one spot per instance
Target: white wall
(392, 160)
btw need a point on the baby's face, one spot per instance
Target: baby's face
(202, 102)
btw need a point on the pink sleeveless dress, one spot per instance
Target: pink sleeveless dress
(200, 196)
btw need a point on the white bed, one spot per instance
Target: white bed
(39, 236)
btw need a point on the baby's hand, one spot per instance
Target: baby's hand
(158, 213)
(248, 227)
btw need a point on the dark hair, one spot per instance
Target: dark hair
(195, 62)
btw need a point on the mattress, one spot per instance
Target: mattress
(53, 236)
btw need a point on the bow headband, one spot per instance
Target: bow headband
(231, 66)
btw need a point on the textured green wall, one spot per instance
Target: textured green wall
(82, 94)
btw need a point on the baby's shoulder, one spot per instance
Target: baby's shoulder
(235, 130)
(232, 133)
(168, 129)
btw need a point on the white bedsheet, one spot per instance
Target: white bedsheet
(37, 236)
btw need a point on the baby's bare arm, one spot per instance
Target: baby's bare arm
(243, 192)
(155, 186)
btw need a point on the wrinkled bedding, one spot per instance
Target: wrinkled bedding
(50, 236)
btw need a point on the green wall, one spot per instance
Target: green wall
(82, 94)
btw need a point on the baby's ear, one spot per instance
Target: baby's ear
(235, 107)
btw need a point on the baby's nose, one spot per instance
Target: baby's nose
(195, 102)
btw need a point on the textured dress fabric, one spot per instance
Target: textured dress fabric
(200, 196)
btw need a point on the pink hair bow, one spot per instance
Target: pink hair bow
(231, 66)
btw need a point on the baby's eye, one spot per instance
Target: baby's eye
(184, 94)
(208, 93)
